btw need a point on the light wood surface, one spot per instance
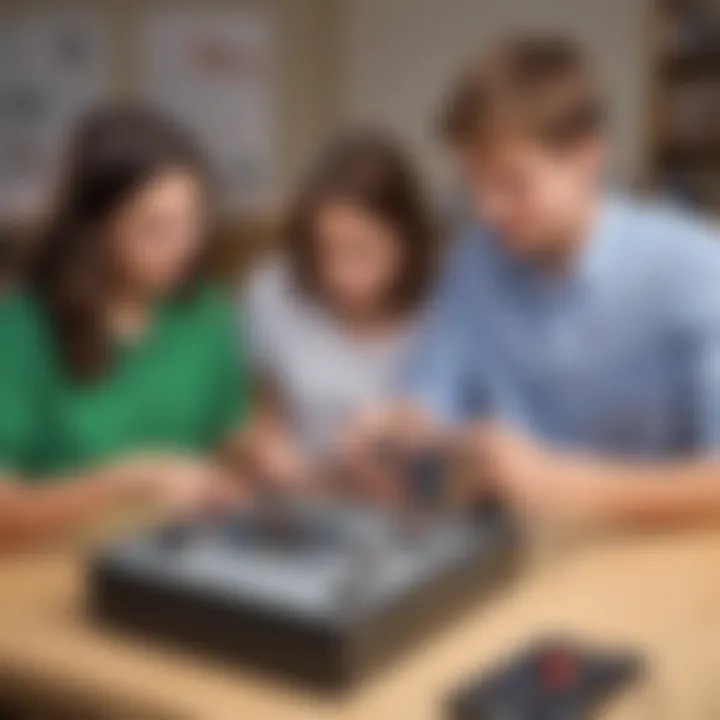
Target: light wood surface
(659, 595)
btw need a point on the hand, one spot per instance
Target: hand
(180, 484)
(376, 447)
(283, 464)
(536, 480)
(274, 459)
(404, 425)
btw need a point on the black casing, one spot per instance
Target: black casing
(329, 656)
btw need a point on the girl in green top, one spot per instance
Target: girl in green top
(119, 368)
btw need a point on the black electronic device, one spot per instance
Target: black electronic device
(328, 600)
(554, 680)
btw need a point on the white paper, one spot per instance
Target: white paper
(54, 67)
(212, 71)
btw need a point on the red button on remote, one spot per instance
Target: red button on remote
(558, 669)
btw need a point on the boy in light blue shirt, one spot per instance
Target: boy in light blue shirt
(574, 344)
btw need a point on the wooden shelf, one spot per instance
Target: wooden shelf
(687, 167)
(692, 64)
(684, 154)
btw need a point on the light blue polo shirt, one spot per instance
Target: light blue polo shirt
(621, 353)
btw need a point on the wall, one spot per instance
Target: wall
(305, 71)
(398, 56)
(389, 61)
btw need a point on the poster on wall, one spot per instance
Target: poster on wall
(212, 71)
(54, 67)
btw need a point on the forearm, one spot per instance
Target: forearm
(37, 513)
(650, 493)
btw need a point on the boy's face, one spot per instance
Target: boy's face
(532, 195)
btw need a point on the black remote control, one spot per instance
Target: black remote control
(554, 680)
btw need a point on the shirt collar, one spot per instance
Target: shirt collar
(587, 266)
(598, 248)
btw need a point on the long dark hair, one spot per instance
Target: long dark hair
(113, 154)
(370, 170)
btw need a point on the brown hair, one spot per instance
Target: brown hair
(113, 154)
(537, 86)
(368, 169)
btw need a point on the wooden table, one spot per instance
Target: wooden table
(660, 595)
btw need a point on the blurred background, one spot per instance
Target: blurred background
(265, 82)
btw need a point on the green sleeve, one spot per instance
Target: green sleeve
(231, 386)
(20, 383)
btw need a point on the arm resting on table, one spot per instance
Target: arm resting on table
(32, 513)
